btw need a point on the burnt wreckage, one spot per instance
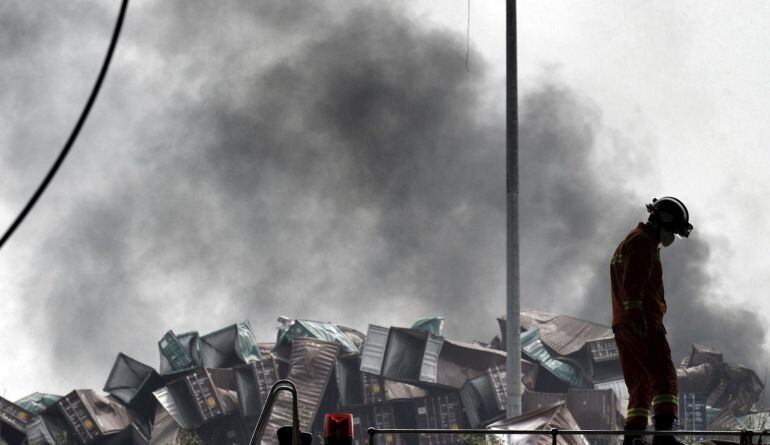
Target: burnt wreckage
(210, 389)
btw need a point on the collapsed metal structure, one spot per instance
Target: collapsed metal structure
(211, 388)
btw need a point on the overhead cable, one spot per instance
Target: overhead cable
(75, 131)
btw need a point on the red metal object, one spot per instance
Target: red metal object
(338, 429)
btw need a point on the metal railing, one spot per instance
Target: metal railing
(264, 417)
(746, 436)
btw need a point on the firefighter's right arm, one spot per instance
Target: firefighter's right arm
(637, 268)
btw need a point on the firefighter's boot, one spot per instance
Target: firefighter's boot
(635, 438)
(665, 422)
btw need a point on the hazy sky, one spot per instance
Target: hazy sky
(247, 160)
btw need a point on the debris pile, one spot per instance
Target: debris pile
(210, 389)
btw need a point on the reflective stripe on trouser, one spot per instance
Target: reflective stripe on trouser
(647, 369)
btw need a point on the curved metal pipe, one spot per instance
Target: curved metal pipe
(264, 417)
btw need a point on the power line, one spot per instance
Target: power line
(75, 131)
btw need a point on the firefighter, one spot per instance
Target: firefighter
(638, 306)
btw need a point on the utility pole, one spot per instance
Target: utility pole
(512, 335)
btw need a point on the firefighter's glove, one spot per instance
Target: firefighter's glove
(638, 323)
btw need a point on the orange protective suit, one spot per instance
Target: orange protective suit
(636, 277)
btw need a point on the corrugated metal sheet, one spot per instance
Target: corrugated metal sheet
(533, 401)
(562, 333)
(553, 416)
(565, 371)
(594, 409)
(443, 411)
(430, 359)
(374, 349)
(311, 367)
(252, 383)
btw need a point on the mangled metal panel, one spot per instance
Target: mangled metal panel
(459, 361)
(348, 379)
(37, 402)
(563, 334)
(556, 416)
(373, 352)
(533, 400)
(594, 409)
(701, 378)
(230, 346)
(401, 354)
(92, 416)
(14, 421)
(443, 411)
(195, 400)
(533, 348)
(311, 367)
(433, 325)
(395, 391)
(703, 354)
(358, 338)
(290, 329)
(179, 353)
(376, 389)
(165, 430)
(253, 382)
(132, 382)
(739, 389)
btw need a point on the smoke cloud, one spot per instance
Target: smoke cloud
(326, 162)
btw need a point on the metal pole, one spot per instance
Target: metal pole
(513, 341)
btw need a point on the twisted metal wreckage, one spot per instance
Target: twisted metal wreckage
(211, 388)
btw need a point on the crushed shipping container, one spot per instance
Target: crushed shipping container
(179, 354)
(312, 364)
(132, 382)
(14, 421)
(440, 411)
(196, 399)
(230, 346)
(253, 382)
